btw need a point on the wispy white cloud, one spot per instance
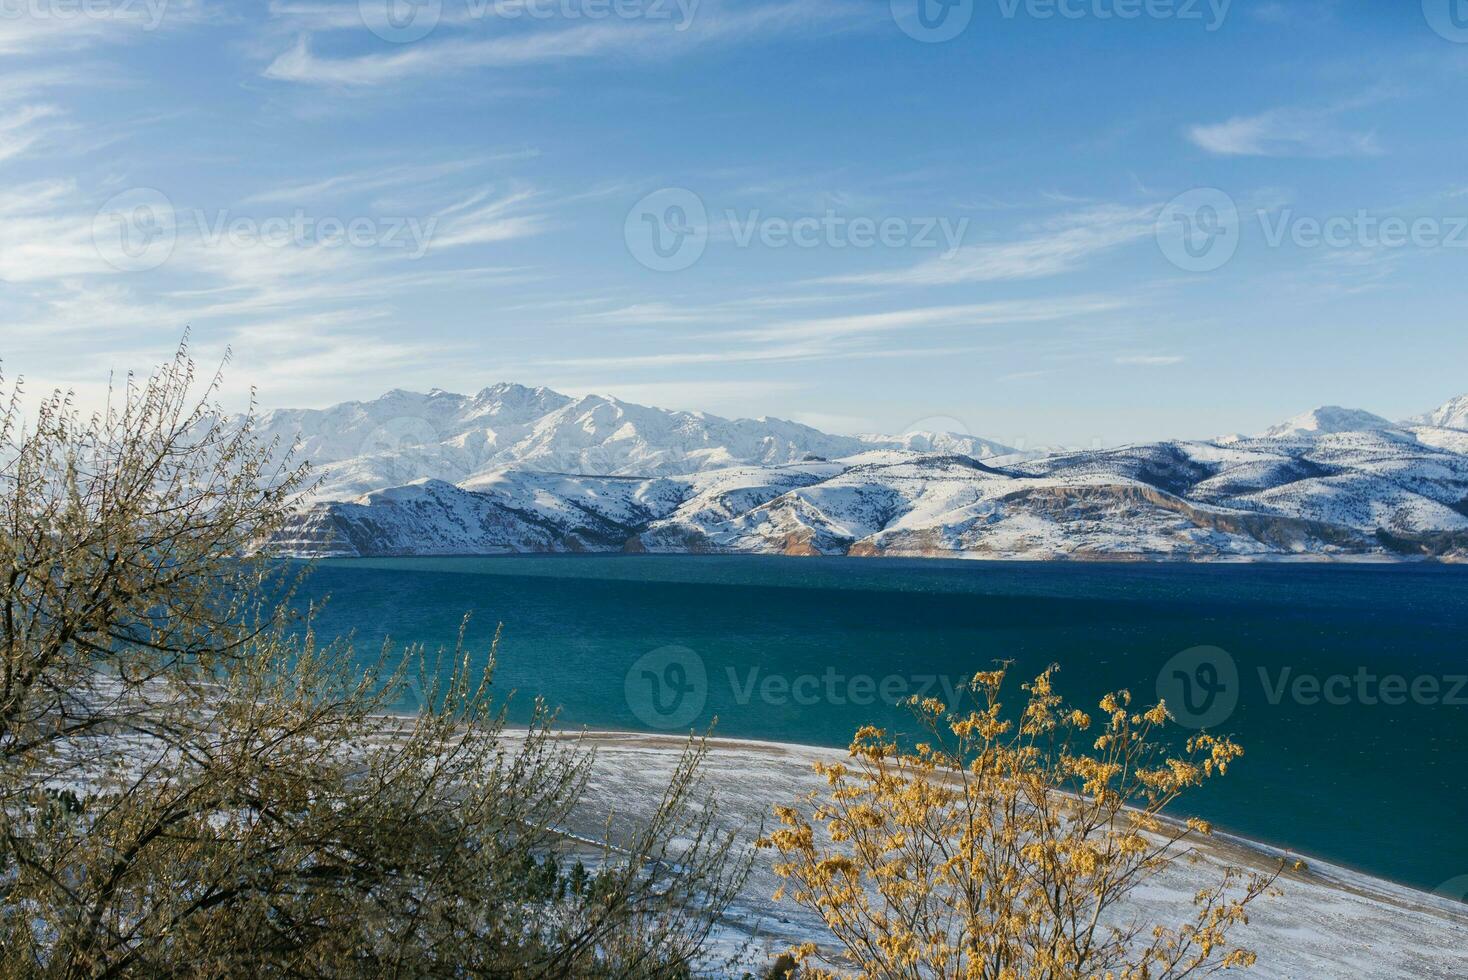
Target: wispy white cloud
(736, 309)
(33, 198)
(47, 232)
(327, 354)
(19, 130)
(853, 337)
(784, 353)
(308, 314)
(367, 181)
(643, 39)
(964, 315)
(1284, 133)
(317, 16)
(306, 359)
(22, 84)
(1060, 245)
(484, 217)
(652, 314)
(44, 234)
(40, 113)
(1149, 360)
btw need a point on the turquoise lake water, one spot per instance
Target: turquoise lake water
(1345, 683)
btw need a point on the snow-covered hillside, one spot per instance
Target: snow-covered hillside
(1451, 415)
(1308, 489)
(1327, 419)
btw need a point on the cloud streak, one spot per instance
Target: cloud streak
(999, 313)
(1061, 245)
(1149, 360)
(1284, 133)
(852, 337)
(367, 181)
(657, 39)
(18, 129)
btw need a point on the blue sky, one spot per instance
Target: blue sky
(784, 207)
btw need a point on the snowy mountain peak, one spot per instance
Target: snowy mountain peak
(513, 394)
(1325, 420)
(1450, 415)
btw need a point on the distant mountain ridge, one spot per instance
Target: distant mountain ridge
(403, 436)
(1332, 483)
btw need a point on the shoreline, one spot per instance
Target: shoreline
(1112, 558)
(1260, 854)
(1325, 921)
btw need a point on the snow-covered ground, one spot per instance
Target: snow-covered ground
(1328, 923)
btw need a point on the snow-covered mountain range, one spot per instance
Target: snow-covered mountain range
(514, 469)
(403, 436)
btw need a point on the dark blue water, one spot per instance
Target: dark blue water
(1361, 757)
